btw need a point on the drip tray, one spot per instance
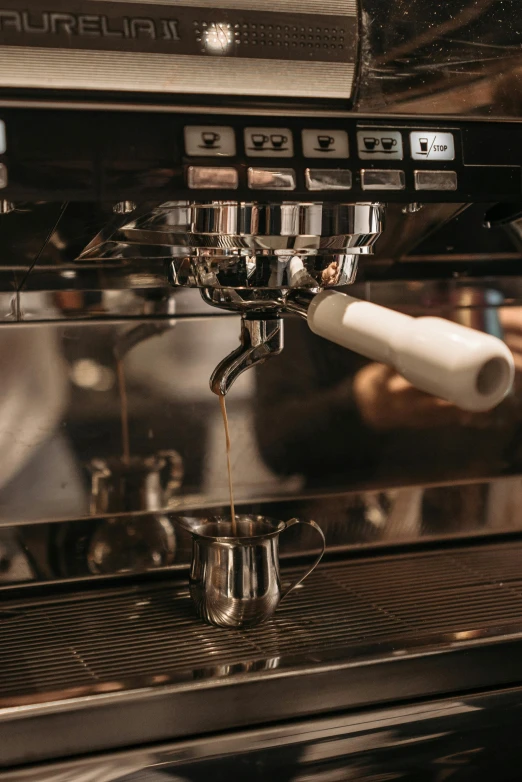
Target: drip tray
(110, 668)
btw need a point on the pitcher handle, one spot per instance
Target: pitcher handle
(318, 529)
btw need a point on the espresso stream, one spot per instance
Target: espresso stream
(230, 486)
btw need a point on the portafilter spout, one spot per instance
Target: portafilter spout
(261, 338)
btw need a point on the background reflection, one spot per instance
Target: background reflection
(319, 432)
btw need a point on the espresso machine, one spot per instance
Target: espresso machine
(339, 184)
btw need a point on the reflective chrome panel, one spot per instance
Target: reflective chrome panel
(247, 242)
(362, 432)
(460, 736)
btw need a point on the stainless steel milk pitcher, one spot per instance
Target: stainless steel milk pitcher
(234, 579)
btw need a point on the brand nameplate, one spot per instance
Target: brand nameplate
(156, 28)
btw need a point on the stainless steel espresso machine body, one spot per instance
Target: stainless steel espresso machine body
(350, 172)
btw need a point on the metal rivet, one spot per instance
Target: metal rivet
(124, 207)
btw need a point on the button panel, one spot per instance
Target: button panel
(210, 141)
(487, 156)
(330, 144)
(269, 142)
(209, 178)
(435, 180)
(373, 143)
(328, 179)
(379, 144)
(432, 146)
(271, 179)
(382, 179)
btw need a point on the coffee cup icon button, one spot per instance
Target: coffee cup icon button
(275, 141)
(278, 140)
(380, 144)
(268, 142)
(370, 143)
(325, 142)
(210, 139)
(259, 140)
(388, 143)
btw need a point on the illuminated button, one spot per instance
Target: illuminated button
(325, 143)
(207, 178)
(271, 179)
(382, 179)
(328, 179)
(269, 142)
(376, 144)
(3, 143)
(210, 141)
(435, 180)
(432, 146)
(3, 176)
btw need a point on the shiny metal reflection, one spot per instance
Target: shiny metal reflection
(124, 207)
(264, 271)
(121, 485)
(234, 579)
(129, 545)
(233, 244)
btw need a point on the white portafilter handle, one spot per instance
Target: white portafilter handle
(472, 370)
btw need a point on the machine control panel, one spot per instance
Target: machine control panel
(382, 179)
(435, 180)
(271, 179)
(269, 142)
(376, 144)
(210, 141)
(328, 144)
(426, 145)
(212, 178)
(137, 155)
(372, 143)
(328, 179)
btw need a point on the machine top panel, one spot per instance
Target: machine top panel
(274, 49)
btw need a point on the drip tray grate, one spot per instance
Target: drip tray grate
(109, 640)
(358, 633)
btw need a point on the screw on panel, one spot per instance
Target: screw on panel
(411, 209)
(124, 207)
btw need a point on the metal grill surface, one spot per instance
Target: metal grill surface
(112, 639)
